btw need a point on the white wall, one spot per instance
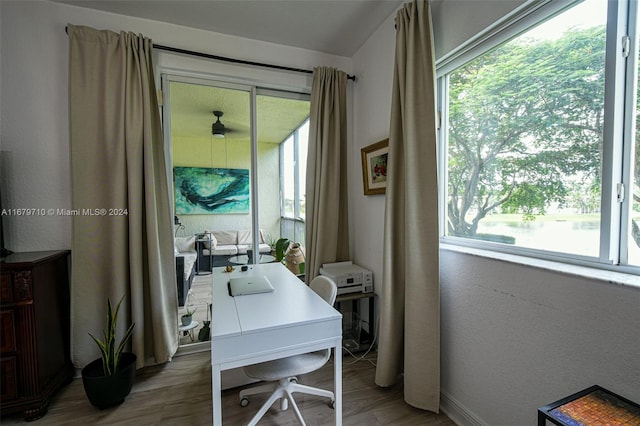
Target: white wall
(34, 108)
(513, 337)
(456, 21)
(373, 66)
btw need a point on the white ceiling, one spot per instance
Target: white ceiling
(339, 27)
(192, 107)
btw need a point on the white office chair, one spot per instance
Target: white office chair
(284, 371)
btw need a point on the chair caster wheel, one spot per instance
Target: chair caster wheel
(293, 380)
(332, 404)
(244, 402)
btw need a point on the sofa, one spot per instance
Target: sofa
(185, 253)
(226, 243)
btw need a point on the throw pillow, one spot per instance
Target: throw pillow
(211, 240)
(186, 243)
(226, 238)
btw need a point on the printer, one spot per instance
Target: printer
(349, 278)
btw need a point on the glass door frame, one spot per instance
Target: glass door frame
(166, 79)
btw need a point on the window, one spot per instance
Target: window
(293, 160)
(539, 158)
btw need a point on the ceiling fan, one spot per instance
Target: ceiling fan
(217, 128)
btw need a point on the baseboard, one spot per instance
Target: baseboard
(457, 412)
(193, 348)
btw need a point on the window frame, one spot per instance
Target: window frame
(619, 108)
(297, 189)
(630, 105)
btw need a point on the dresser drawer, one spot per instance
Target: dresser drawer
(6, 289)
(8, 330)
(8, 378)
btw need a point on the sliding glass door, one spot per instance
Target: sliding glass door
(226, 142)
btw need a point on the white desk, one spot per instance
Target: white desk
(255, 328)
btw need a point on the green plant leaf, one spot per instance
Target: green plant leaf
(123, 342)
(109, 352)
(281, 247)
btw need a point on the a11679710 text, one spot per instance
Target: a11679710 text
(64, 212)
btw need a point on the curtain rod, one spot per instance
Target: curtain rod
(232, 60)
(236, 61)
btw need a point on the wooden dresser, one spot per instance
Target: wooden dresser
(34, 324)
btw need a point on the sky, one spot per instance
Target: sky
(587, 14)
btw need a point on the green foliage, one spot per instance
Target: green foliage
(525, 129)
(281, 248)
(189, 312)
(270, 240)
(109, 351)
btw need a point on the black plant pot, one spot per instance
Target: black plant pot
(107, 391)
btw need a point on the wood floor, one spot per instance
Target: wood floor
(179, 393)
(198, 298)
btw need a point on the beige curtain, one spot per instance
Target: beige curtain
(121, 243)
(410, 297)
(327, 227)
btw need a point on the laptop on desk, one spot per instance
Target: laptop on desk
(240, 286)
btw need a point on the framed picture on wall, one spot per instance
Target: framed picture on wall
(200, 190)
(374, 167)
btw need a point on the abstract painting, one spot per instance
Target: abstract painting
(200, 190)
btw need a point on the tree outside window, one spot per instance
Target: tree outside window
(524, 132)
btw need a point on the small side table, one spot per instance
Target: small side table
(367, 340)
(188, 329)
(201, 241)
(593, 406)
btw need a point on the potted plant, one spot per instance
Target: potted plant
(272, 242)
(205, 331)
(281, 248)
(108, 380)
(294, 258)
(188, 316)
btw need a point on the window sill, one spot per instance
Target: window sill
(619, 278)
